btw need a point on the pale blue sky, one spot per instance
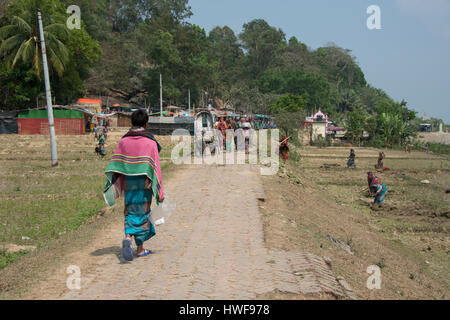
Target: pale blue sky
(409, 58)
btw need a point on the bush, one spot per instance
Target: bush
(295, 156)
(438, 148)
(7, 257)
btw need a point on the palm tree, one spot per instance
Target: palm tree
(20, 40)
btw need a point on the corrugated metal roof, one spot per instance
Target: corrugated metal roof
(82, 100)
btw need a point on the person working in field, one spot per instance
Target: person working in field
(135, 172)
(378, 191)
(380, 164)
(406, 147)
(351, 159)
(372, 179)
(284, 148)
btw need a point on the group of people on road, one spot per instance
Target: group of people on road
(231, 141)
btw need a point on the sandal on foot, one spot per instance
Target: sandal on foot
(127, 249)
(146, 253)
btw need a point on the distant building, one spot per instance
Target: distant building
(36, 121)
(315, 126)
(336, 132)
(94, 105)
(426, 127)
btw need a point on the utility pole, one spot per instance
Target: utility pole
(189, 101)
(51, 122)
(160, 96)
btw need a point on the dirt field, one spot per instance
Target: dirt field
(305, 204)
(408, 239)
(204, 251)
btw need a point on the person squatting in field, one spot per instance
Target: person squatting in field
(135, 172)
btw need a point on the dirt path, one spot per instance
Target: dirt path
(212, 247)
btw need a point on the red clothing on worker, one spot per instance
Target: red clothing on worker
(284, 148)
(372, 179)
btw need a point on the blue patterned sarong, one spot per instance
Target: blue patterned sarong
(138, 200)
(380, 193)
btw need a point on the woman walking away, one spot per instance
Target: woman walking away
(135, 172)
(379, 192)
(351, 159)
(100, 149)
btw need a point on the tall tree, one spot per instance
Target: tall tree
(263, 45)
(356, 123)
(20, 38)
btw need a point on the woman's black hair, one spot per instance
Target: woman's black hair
(139, 118)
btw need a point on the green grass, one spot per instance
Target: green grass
(6, 257)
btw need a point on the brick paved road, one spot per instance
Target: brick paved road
(212, 247)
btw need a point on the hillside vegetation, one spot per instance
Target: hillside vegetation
(124, 45)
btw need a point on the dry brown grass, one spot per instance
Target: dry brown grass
(62, 231)
(40, 203)
(408, 238)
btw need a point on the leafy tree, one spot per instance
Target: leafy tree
(20, 38)
(70, 53)
(290, 123)
(289, 102)
(349, 101)
(19, 87)
(314, 88)
(84, 50)
(340, 67)
(356, 122)
(226, 55)
(262, 43)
